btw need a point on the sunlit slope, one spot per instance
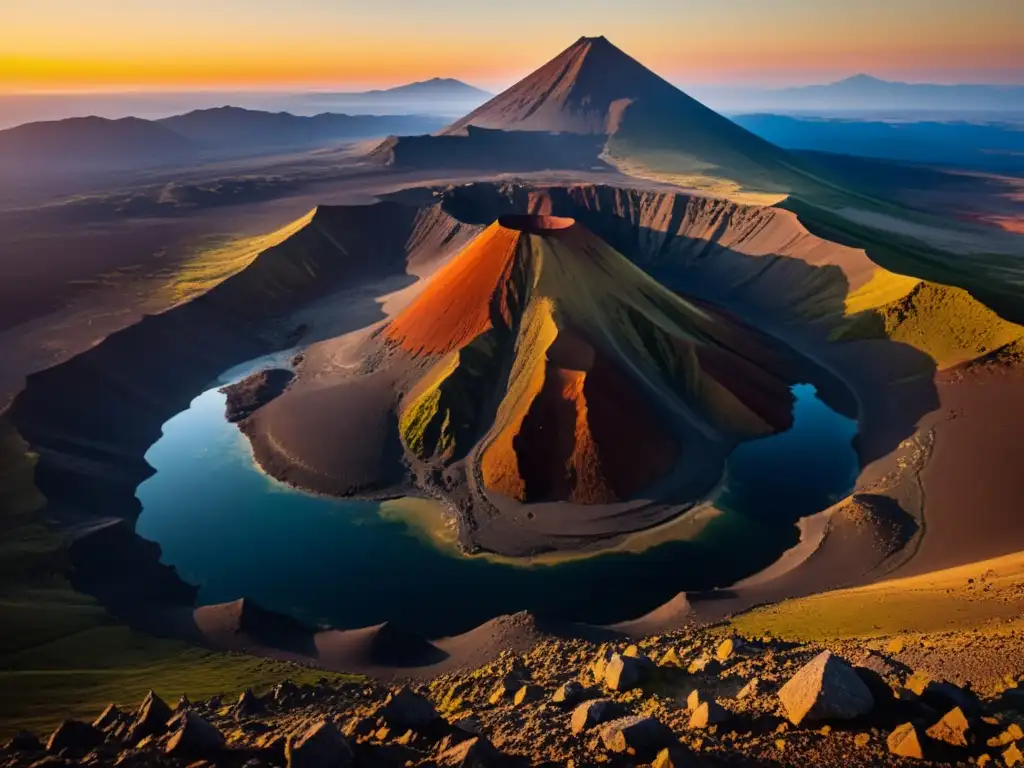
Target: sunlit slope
(593, 88)
(576, 375)
(944, 322)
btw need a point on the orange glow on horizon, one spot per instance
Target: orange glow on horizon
(62, 45)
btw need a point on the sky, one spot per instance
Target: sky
(111, 45)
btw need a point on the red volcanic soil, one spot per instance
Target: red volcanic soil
(455, 307)
(588, 437)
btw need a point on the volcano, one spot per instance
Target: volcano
(594, 103)
(545, 386)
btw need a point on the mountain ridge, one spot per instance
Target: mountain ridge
(98, 143)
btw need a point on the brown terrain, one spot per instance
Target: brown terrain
(685, 698)
(397, 290)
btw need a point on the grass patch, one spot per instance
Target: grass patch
(77, 675)
(945, 323)
(213, 265)
(973, 596)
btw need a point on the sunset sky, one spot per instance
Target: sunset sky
(100, 45)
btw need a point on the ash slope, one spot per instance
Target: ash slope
(545, 386)
(595, 103)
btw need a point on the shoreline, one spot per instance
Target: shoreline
(884, 393)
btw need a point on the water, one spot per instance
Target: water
(228, 528)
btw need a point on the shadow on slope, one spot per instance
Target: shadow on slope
(91, 445)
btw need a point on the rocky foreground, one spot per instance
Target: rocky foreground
(684, 699)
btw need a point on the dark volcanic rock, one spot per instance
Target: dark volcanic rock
(75, 736)
(322, 746)
(23, 741)
(569, 694)
(638, 733)
(195, 737)
(477, 752)
(952, 729)
(150, 720)
(253, 392)
(906, 741)
(591, 713)
(625, 672)
(708, 713)
(826, 688)
(249, 705)
(407, 709)
(109, 718)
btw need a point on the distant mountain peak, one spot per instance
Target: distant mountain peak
(860, 79)
(447, 86)
(579, 91)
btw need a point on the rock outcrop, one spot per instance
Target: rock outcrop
(827, 688)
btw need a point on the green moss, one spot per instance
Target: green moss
(444, 420)
(417, 418)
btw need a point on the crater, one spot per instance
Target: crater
(126, 397)
(533, 224)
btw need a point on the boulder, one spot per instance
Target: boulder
(183, 704)
(284, 691)
(248, 705)
(23, 741)
(1012, 755)
(953, 729)
(406, 709)
(906, 741)
(321, 746)
(623, 673)
(637, 733)
(708, 713)
(670, 659)
(732, 647)
(593, 712)
(675, 756)
(75, 736)
(109, 718)
(195, 737)
(826, 688)
(506, 688)
(695, 699)
(750, 689)
(477, 752)
(1012, 733)
(569, 694)
(600, 662)
(150, 719)
(703, 664)
(527, 694)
